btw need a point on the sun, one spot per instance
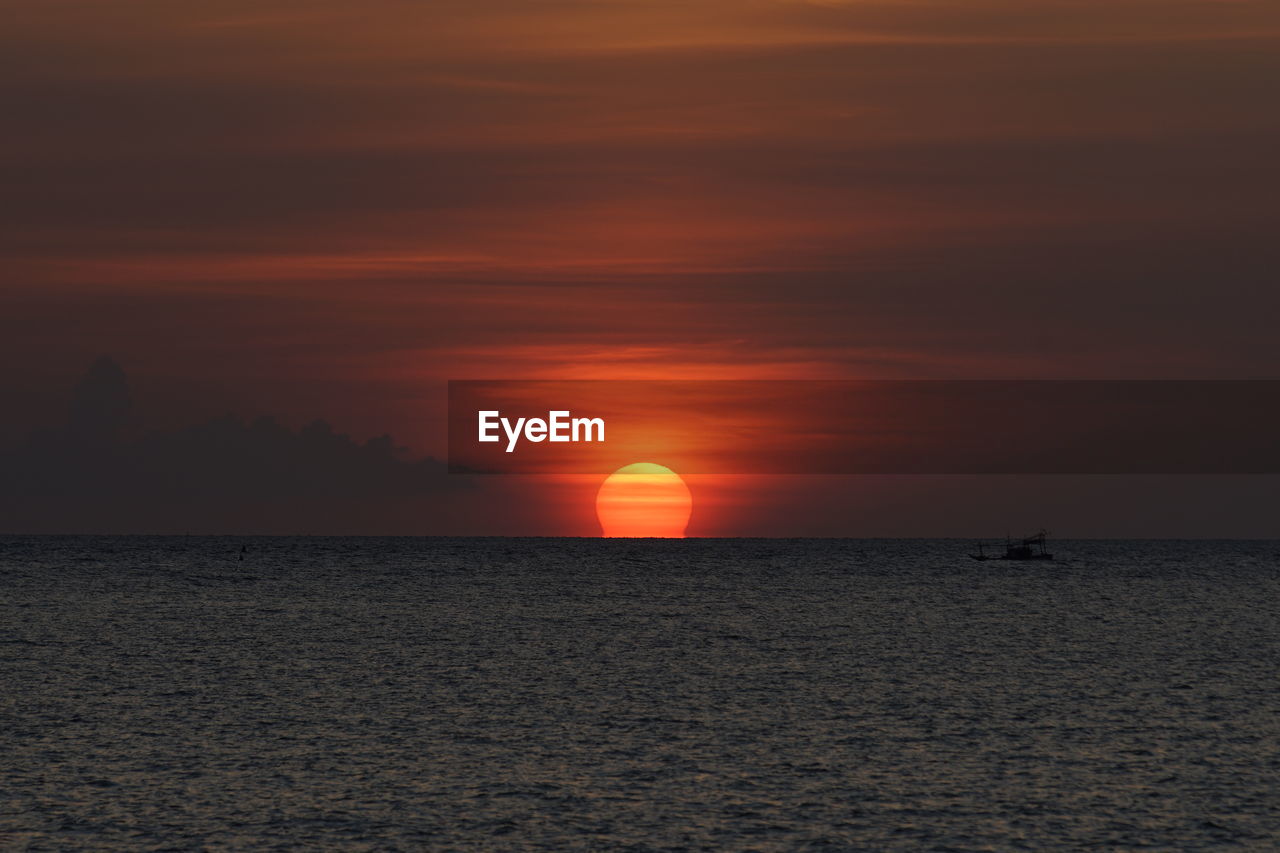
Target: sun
(644, 499)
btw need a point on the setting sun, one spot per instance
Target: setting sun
(642, 500)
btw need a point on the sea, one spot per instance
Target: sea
(231, 693)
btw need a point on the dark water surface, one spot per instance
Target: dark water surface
(565, 694)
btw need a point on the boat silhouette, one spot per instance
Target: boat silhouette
(1030, 548)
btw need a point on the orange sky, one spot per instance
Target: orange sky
(324, 209)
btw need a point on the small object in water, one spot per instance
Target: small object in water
(1031, 548)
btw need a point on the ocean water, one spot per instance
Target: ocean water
(562, 694)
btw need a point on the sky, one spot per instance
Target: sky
(324, 211)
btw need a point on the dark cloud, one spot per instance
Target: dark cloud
(100, 471)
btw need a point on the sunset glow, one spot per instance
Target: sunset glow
(318, 213)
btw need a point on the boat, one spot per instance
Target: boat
(1031, 548)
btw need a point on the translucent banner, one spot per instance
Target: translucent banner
(866, 427)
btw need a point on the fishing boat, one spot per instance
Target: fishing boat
(1031, 548)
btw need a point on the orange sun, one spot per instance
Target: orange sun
(644, 499)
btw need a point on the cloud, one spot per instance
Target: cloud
(321, 206)
(98, 471)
